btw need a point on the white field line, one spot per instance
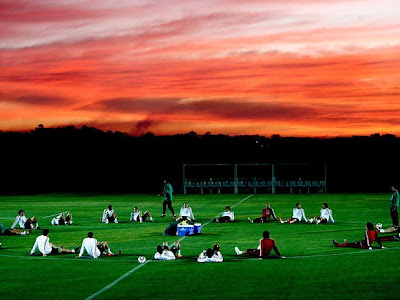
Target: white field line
(142, 265)
(361, 251)
(53, 215)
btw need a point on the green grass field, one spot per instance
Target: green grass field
(314, 268)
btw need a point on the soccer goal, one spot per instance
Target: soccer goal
(254, 178)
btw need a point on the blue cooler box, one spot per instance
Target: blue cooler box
(197, 228)
(185, 230)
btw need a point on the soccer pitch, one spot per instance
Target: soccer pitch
(313, 267)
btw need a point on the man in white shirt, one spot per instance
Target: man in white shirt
(325, 217)
(24, 222)
(94, 248)
(186, 212)
(210, 255)
(298, 215)
(227, 216)
(109, 215)
(137, 216)
(62, 219)
(164, 253)
(45, 247)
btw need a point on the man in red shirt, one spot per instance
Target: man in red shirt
(267, 213)
(369, 237)
(264, 249)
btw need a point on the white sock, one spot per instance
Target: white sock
(23, 232)
(151, 219)
(382, 231)
(73, 251)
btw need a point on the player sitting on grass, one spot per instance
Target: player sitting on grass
(62, 219)
(24, 222)
(8, 231)
(298, 215)
(45, 247)
(227, 216)
(264, 249)
(186, 213)
(267, 213)
(325, 217)
(164, 253)
(109, 215)
(137, 216)
(369, 237)
(93, 247)
(211, 255)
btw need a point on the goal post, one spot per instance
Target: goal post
(254, 177)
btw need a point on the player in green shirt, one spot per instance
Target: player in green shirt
(8, 231)
(167, 192)
(394, 204)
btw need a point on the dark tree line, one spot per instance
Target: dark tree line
(87, 159)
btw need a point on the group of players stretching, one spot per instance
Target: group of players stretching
(96, 249)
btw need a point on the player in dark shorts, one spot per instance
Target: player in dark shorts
(369, 237)
(45, 247)
(8, 231)
(227, 216)
(62, 219)
(94, 248)
(167, 193)
(394, 204)
(25, 223)
(264, 249)
(165, 253)
(109, 215)
(267, 213)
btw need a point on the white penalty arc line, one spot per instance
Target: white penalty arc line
(142, 265)
(362, 251)
(53, 215)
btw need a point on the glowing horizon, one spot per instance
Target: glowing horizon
(309, 68)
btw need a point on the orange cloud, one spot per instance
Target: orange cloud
(286, 68)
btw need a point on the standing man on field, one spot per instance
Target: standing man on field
(167, 192)
(394, 204)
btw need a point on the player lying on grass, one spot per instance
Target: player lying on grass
(93, 247)
(165, 253)
(392, 229)
(8, 231)
(186, 213)
(298, 215)
(325, 216)
(210, 255)
(62, 219)
(45, 247)
(226, 216)
(267, 213)
(109, 215)
(23, 222)
(369, 237)
(137, 216)
(264, 248)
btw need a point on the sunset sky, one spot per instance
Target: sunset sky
(289, 67)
